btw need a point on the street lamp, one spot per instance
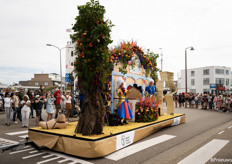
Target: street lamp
(186, 85)
(60, 60)
(161, 54)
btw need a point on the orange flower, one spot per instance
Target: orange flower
(90, 44)
(82, 35)
(75, 63)
(90, 69)
(97, 22)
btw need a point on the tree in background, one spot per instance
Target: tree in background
(92, 37)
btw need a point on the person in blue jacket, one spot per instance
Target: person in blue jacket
(150, 89)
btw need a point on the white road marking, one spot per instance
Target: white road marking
(68, 158)
(72, 162)
(51, 159)
(27, 146)
(205, 153)
(48, 156)
(229, 127)
(17, 133)
(25, 136)
(64, 160)
(138, 147)
(221, 132)
(33, 151)
(5, 142)
(20, 151)
(30, 156)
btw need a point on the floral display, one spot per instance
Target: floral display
(146, 109)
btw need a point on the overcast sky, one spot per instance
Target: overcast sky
(26, 27)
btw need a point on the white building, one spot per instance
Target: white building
(199, 79)
(70, 59)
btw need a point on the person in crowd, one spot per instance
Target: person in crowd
(192, 100)
(196, 99)
(150, 89)
(31, 98)
(176, 99)
(7, 105)
(210, 99)
(21, 94)
(227, 104)
(49, 108)
(205, 102)
(39, 101)
(183, 100)
(16, 108)
(25, 111)
(73, 101)
(180, 100)
(57, 101)
(62, 102)
(219, 103)
(123, 108)
(215, 102)
(68, 104)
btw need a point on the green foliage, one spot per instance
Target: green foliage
(92, 37)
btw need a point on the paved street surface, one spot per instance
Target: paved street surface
(204, 138)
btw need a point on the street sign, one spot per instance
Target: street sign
(213, 86)
(67, 77)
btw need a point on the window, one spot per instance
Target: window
(46, 83)
(206, 91)
(71, 63)
(227, 72)
(193, 90)
(206, 81)
(36, 83)
(219, 71)
(206, 72)
(71, 53)
(220, 81)
(192, 73)
(192, 82)
(227, 82)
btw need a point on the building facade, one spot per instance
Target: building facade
(69, 63)
(206, 80)
(46, 80)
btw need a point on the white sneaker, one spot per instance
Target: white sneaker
(15, 122)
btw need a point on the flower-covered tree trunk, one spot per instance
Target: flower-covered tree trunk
(92, 37)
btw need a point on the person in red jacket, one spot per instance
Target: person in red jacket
(57, 101)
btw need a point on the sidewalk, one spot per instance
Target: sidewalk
(18, 126)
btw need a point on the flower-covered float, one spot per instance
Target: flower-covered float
(97, 68)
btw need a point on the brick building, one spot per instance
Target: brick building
(46, 80)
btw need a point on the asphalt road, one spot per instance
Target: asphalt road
(204, 138)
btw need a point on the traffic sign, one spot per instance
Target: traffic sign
(67, 77)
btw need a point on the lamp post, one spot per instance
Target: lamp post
(60, 60)
(161, 54)
(186, 83)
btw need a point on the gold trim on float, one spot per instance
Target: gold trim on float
(94, 146)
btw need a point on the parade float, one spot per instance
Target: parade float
(97, 68)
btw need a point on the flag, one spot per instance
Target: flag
(68, 30)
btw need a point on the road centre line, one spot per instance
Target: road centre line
(15, 152)
(205, 153)
(16, 133)
(138, 147)
(221, 132)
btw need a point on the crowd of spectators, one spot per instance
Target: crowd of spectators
(22, 106)
(222, 102)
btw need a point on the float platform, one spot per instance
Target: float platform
(94, 146)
